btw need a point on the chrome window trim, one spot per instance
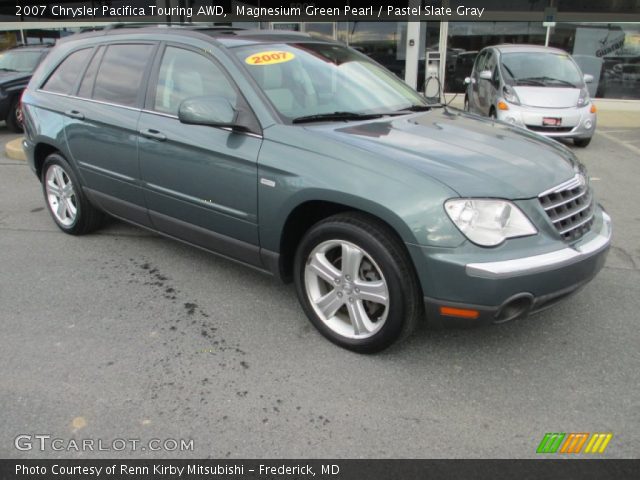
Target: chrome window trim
(546, 261)
(101, 102)
(160, 114)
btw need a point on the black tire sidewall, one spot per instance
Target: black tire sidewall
(12, 121)
(81, 202)
(394, 323)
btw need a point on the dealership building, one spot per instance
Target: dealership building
(603, 36)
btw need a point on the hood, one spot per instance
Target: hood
(548, 97)
(472, 155)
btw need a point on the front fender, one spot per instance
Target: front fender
(412, 204)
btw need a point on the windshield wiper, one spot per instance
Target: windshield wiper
(418, 108)
(337, 116)
(551, 80)
(7, 70)
(529, 81)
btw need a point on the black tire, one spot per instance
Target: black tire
(379, 244)
(581, 142)
(14, 117)
(466, 104)
(87, 218)
(492, 114)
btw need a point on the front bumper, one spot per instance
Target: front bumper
(576, 122)
(503, 290)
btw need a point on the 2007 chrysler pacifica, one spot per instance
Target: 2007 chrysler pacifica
(308, 160)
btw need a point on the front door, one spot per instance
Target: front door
(200, 182)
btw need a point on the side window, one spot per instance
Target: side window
(120, 75)
(184, 74)
(86, 86)
(490, 63)
(65, 75)
(479, 66)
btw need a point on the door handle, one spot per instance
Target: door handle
(153, 134)
(74, 114)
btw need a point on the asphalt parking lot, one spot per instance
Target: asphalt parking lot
(123, 334)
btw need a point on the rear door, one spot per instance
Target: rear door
(101, 130)
(200, 181)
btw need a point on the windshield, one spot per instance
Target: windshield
(15, 61)
(314, 79)
(542, 69)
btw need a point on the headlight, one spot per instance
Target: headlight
(583, 99)
(510, 95)
(488, 222)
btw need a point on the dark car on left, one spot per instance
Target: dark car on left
(16, 67)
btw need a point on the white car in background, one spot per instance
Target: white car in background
(538, 88)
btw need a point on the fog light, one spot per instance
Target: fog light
(511, 120)
(588, 124)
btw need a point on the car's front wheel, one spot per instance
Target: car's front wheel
(65, 199)
(356, 283)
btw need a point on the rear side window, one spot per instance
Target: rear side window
(63, 79)
(120, 75)
(86, 86)
(186, 74)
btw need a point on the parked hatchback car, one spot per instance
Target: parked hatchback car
(538, 88)
(16, 66)
(308, 160)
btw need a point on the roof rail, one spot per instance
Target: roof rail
(208, 26)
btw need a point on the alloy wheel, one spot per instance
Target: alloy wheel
(346, 289)
(61, 196)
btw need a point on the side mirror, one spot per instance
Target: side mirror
(588, 78)
(486, 75)
(213, 111)
(467, 80)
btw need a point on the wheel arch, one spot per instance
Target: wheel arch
(307, 212)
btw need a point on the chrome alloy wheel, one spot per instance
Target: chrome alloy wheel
(61, 196)
(346, 289)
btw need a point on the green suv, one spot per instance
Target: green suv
(306, 159)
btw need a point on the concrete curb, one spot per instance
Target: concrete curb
(14, 150)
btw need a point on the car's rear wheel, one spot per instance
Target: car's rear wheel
(14, 117)
(356, 283)
(65, 199)
(581, 142)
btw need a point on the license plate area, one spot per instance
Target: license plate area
(551, 121)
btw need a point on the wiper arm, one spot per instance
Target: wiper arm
(336, 116)
(551, 79)
(417, 108)
(529, 81)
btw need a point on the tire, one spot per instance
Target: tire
(582, 142)
(14, 117)
(65, 200)
(492, 114)
(466, 104)
(368, 304)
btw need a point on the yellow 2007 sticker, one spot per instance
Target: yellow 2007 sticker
(269, 58)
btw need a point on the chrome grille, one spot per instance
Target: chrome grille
(570, 207)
